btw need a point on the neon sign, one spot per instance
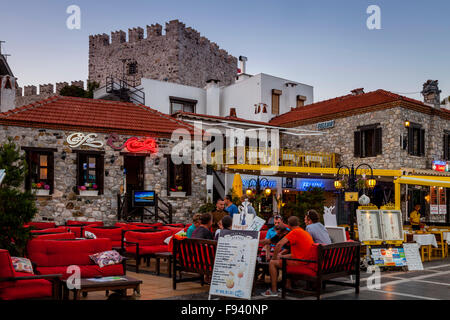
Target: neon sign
(262, 183)
(306, 184)
(440, 166)
(77, 139)
(133, 144)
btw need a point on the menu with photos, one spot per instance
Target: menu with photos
(392, 224)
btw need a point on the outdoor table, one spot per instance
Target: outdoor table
(113, 285)
(446, 236)
(164, 255)
(426, 239)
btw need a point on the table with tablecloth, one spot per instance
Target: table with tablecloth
(426, 239)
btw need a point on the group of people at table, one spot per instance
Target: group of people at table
(287, 240)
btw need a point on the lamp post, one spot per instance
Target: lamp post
(267, 190)
(353, 187)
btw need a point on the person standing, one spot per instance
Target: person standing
(316, 229)
(230, 207)
(414, 217)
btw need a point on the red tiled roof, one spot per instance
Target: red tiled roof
(227, 118)
(65, 113)
(338, 105)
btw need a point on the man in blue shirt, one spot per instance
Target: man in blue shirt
(230, 207)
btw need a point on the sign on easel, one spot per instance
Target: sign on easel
(234, 264)
(242, 220)
(412, 254)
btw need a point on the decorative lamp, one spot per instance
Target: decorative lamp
(338, 184)
(371, 183)
(267, 191)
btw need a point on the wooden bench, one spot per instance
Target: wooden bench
(333, 261)
(192, 256)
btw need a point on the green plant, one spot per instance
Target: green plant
(16, 207)
(75, 91)
(312, 198)
(207, 207)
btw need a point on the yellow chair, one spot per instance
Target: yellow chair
(442, 249)
(425, 250)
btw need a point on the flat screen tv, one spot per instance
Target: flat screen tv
(143, 198)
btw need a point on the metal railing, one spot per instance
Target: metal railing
(124, 91)
(283, 157)
(162, 211)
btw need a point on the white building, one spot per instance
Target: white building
(260, 97)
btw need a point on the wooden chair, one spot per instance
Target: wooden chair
(442, 249)
(425, 250)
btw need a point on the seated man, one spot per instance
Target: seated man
(278, 221)
(203, 232)
(317, 230)
(224, 224)
(281, 230)
(300, 242)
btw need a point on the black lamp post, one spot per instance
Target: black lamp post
(258, 181)
(352, 187)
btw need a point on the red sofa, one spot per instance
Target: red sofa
(84, 223)
(53, 256)
(49, 231)
(23, 285)
(145, 245)
(41, 225)
(112, 233)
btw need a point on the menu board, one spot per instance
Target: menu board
(434, 207)
(369, 225)
(413, 256)
(242, 221)
(234, 265)
(389, 257)
(256, 224)
(392, 226)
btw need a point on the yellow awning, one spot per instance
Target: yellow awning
(433, 181)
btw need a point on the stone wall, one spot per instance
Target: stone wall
(65, 204)
(340, 140)
(30, 94)
(180, 55)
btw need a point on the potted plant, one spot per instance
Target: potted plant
(88, 190)
(40, 189)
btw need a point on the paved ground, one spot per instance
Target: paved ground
(433, 283)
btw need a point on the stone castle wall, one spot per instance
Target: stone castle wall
(65, 204)
(29, 94)
(180, 55)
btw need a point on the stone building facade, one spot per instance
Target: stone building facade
(180, 55)
(64, 203)
(393, 116)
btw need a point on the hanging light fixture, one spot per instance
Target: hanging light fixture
(371, 183)
(267, 191)
(338, 184)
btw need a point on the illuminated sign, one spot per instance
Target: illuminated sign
(440, 166)
(306, 184)
(78, 139)
(325, 125)
(262, 183)
(133, 144)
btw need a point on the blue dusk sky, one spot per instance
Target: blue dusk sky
(325, 44)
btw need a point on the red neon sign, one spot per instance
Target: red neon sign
(143, 144)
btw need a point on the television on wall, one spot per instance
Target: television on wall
(143, 198)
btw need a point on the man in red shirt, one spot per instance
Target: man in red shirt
(300, 242)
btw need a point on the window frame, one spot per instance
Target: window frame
(186, 176)
(184, 102)
(49, 152)
(412, 130)
(361, 149)
(99, 168)
(276, 94)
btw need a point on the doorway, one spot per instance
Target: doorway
(134, 171)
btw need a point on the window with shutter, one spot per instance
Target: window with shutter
(368, 141)
(40, 163)
(416, 140)
(276, 101)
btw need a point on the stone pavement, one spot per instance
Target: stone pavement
(433, 283)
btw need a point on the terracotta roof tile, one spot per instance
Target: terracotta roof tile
(340, 104)
(65, 112)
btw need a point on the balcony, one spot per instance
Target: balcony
(285, 157)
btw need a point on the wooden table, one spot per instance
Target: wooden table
(164, 255)
(113, 285)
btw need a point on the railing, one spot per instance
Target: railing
(124, 91)
(283, 157)
(162, 211)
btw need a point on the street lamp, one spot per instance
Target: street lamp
(352, 186)
(258, 183)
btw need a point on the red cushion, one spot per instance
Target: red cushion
(55, 236)
(87, 271)
(156, 224)
(148, 249)
(26, 289)
(52, 253)
(113, 234)
(172, 229)
(86, 223)
(6, 267)
(148, 238)
(297, 267)
(51, 230)
(41, 225)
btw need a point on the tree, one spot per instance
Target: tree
(16, 207)
(75, 91)
(312, 198)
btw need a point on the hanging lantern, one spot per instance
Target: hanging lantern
(267, 191)
(371, 183)
(249, 192)
(338, 184)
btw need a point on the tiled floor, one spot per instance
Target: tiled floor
(431, 284)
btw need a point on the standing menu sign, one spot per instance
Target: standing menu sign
(389, 257)
(391, 221)
(369, 225)
(234, 265)
(413, 256)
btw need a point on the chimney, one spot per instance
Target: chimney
(233, 112)
(431, 93)
(357, 92)
(212, 97)
(242, 60)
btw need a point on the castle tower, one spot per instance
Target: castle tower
(180, 55)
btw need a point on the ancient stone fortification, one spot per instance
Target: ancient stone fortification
(180, 55)
(29, 94)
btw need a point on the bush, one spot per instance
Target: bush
(16, 207)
